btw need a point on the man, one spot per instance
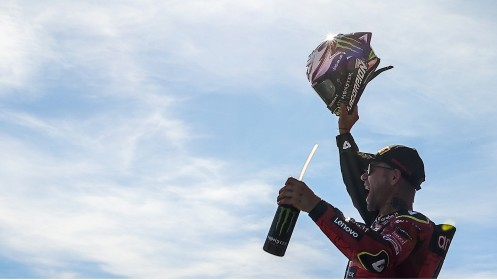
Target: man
(394, 241)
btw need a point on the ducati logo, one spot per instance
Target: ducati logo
(374, 262)
(379, 265)
(346, 145)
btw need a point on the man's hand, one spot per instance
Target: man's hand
(298, 194)
(346, 121)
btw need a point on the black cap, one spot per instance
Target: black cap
(406, 159)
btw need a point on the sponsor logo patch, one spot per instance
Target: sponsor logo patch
(394, 243)
(351, 272)
(441, 239)
(346, 145)
(374, 262)
(361, 71)
(352, 231)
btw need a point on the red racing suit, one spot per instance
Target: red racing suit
(403, 244)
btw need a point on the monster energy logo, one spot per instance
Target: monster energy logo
(352, 44)
(286, 218)
(349, 44)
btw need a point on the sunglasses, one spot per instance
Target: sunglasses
(371, 166)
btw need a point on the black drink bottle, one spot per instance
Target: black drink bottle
(284, 222)
(281, 230)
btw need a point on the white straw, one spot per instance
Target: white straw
(307, 162)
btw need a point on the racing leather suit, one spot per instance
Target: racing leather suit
(403, 244)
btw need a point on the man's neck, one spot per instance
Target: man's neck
(394, 204)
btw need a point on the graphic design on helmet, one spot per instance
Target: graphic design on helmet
(340, 68)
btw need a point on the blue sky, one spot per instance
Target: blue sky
(148, 139)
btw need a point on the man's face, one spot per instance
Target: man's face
(376, 182)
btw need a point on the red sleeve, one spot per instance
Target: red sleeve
(376, 251)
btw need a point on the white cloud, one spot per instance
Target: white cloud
(57, 207)
(21, 52)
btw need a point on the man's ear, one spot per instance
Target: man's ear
(396, 176)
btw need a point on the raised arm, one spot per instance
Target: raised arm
(352, 165)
